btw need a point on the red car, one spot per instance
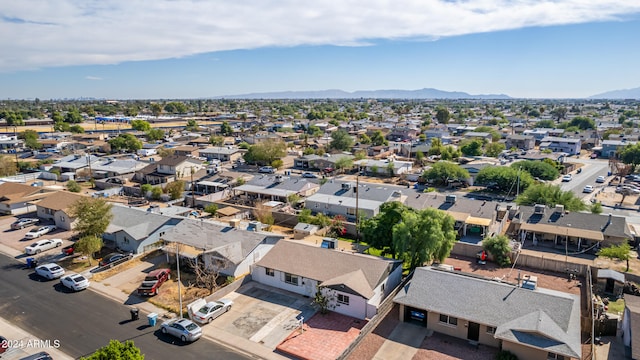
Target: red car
(153, 281)
(68, 250)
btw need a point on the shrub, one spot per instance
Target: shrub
(506, 355)
(73, 186)
(498, 246)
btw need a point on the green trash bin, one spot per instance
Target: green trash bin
(153, 318)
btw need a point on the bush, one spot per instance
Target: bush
(145, 189)
(73, 186)
(498, 246)
(211, 209)
(156, 193)
(505, 355)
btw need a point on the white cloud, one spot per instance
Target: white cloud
(44, 33)
(89, 77)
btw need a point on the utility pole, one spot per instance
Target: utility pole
(357, 196)
(193, 199)
(179, 283)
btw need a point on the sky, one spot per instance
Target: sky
(180, 49)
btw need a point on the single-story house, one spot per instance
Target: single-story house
(225, 248)
(148, 149)
(17, 198)
(276, 188)
(472, 135)
(222, 153)
(536, 324)
(109, 167)
(384, 167)
(320, 162)
(168, 169)
(56, 207)
(354, 284)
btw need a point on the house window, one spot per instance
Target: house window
(552, 356)
(269, 272)
(450, 320)
(343, 299)
(291, 279)
(491, 330)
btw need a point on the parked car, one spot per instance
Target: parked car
(153, 281)
(23, 223)
(567, 177)
(50, 271)
(75, 282)
(114, 257)
(327, 170)
(69, 249)
(267, 170)
(184, 329)
(42, 355)
(309, 175)
(588, 189)
(42, 245)
(593, 156)
(36, 233)
(4, 344)
(212, 310)
(600, 179)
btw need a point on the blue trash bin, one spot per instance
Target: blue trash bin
(31, 262)
(153, 318)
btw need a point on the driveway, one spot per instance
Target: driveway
(14, 239)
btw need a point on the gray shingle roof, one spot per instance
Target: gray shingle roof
(501, 305)
(473, 207)
(135, 222)
(610, 274)
(360, 273)
(368, 191)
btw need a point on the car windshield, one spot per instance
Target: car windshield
(191, 327)
(150, 278)
(204, 309)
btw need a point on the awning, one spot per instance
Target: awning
(458, 216)
(563, 231)
(478, 221)
(227, 211)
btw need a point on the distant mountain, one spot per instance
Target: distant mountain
(619, 94)
(368, 94)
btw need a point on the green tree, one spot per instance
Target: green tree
(344, 163)
(155, 134)
(499, 247)
(494, 149)
(377, 139)
(266, 152)
(424, 235)
(471, 147)
(88, 245)
(192, 125)
(341, 140)
(156, 109)
(93, 215)
(125, 142)
(378, 230)
(73, 186)
(547, 124)
(443, 171)
(61, 126)
(550, 195)
(364, 139)
(559, 113)
(582, 123)
(175, 189)
(420, 158)
(140, 125)
(117, 350)
(216, 140)
(211, 209)
(495, 135)
(443, 115)
(504, 179)
(156, 193)
(596, 208)
(538, 169)
(7, 166)
(225, 129)
(277, 163)
(30, 138)
(145, 189)
(621, 252)
(630, 155)
(73, 116)
(76, 129)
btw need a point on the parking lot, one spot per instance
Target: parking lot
(16, 241)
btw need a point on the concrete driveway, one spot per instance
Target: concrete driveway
(14, 239)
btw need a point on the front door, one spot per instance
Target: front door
(473, 333)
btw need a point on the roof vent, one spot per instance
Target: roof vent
(559, 209)
(278, 178)
(450, 199)
(539, 209)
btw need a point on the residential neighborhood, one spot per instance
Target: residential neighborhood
(421, 228)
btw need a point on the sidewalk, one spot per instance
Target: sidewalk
(24, 344)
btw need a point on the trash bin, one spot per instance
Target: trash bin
(134, 313)
(31, 262)
(153, 317)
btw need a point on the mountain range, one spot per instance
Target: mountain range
(619, 94)
(426, 93)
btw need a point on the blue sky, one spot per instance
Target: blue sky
(127, 49)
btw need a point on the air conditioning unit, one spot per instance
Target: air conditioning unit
(278, 178)
(560, 209)
(539, 209)
(530, 282)
(450, 199)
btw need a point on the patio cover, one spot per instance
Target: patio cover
(458, 216)
(478, 221)
(564, 231)
(227, 211)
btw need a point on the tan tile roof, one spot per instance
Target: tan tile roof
(361, 273)
(60, 200)
(15, 192)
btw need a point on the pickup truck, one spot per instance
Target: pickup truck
(153, 281)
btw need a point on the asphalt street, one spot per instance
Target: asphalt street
(85, 321)
(591, 169)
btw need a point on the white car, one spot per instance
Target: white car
(50, 271)
(600, 179)
(42, 245)
(212, 310)
(37, 232)
(184, 329)
(267, 170)
(75, 282)
(588, 189)
(567, 177)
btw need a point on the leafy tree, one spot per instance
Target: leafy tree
(504, 179)
(620, 252)
(582, 123)
(117, 350)
(364, 139)
(424, 235)
(443, 171)
(30, 138)
(266, 152)
(559, 113)
(548, 124)
(377, 139)
(61, 126)
(630, 155)
(57, 117)
(450, 153)
(164, 152)
(277, 163)
(76, 129)
(125, 142)
(314, 131)
(93, 216)
(211, 209)
(225, 129)
(192, 125)
(607, 133)
(140, 125)
(7, 166)
(175, 189)
(596, 208)
(156, 109)
(471, 147)
(498, 246)
(88, 245)
(155, 134)
(378, 230)
(344, 163)
(420, 157)
(305, 216)
(341, 140)
(550, 195)
(73, 186)
(73, 116)
(494, 149)
(145, 189)
(538, 169)
(443, 115)
(156, 193)
(293, 199)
